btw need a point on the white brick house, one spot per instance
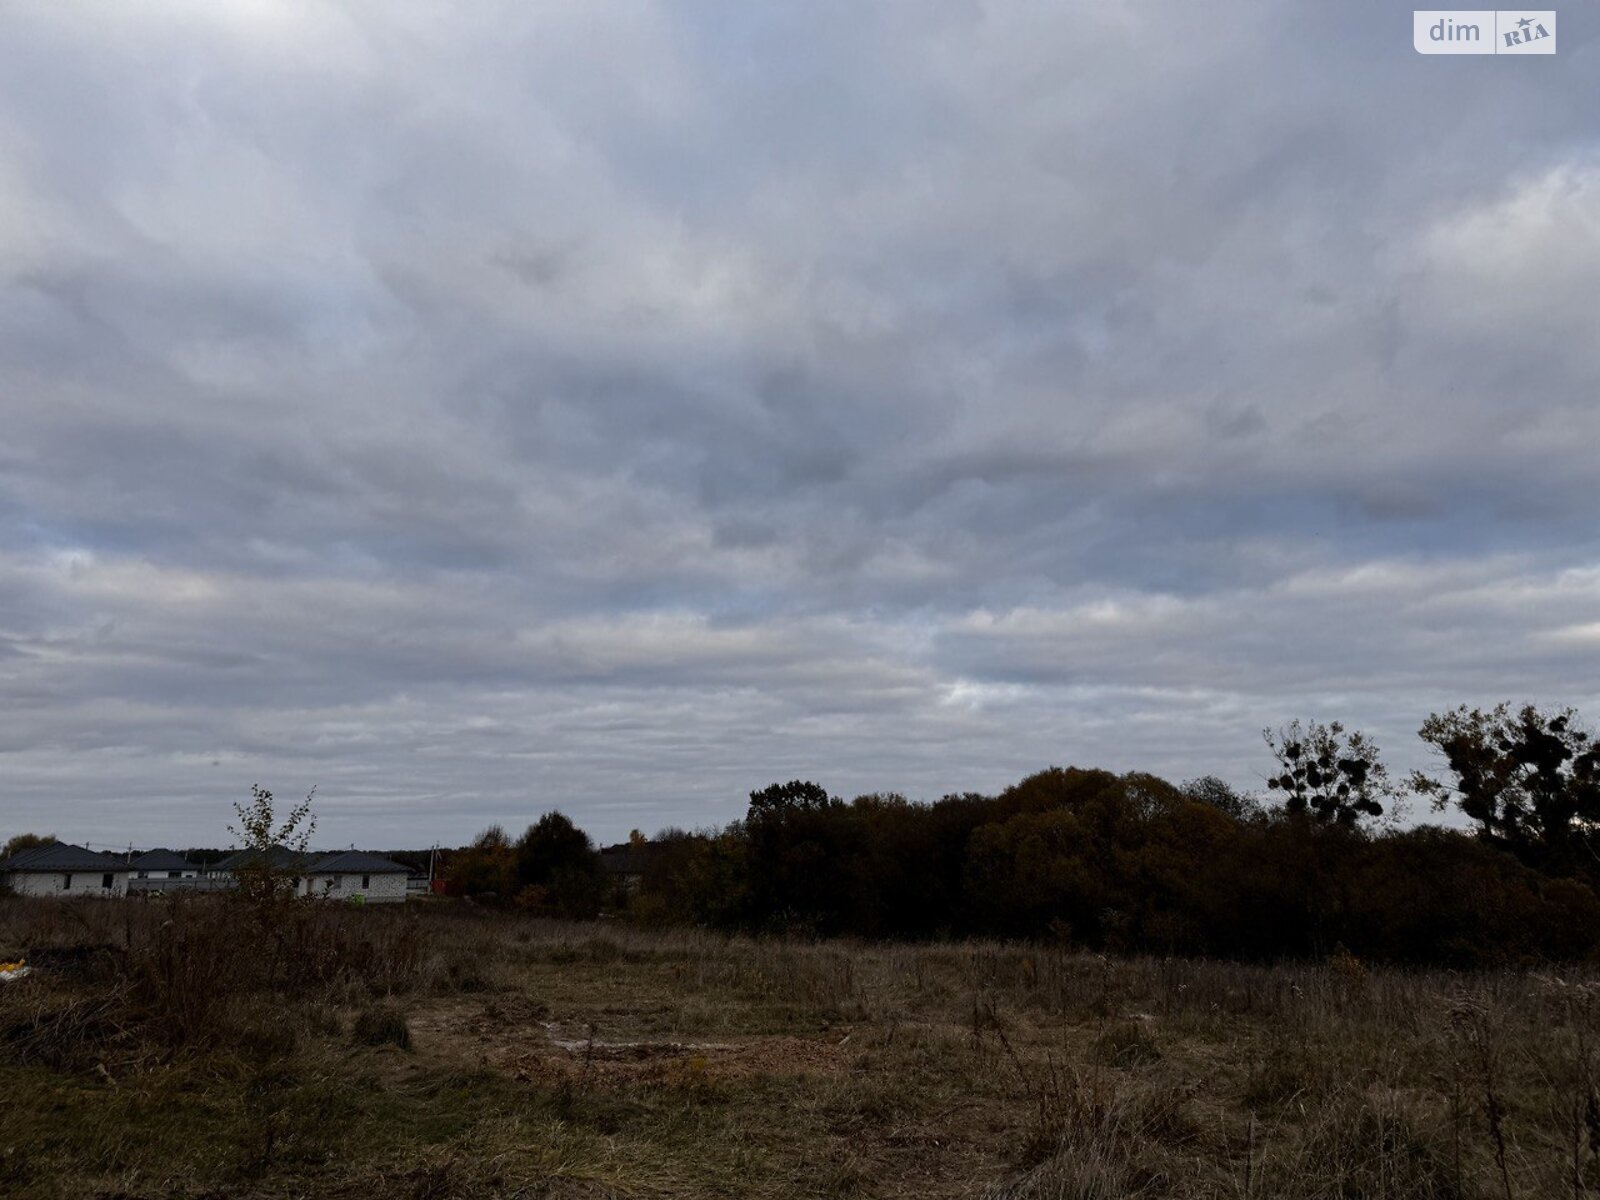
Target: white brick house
(162, 864)
(61, 869)
(357, 875)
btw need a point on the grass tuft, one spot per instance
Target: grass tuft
(381, 1025)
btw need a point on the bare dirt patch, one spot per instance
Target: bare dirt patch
(517, 1036)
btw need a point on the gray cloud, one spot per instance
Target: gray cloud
(473, 412)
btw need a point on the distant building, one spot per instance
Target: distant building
(162, 864)
(62, 869)
(357, 875)
(276, 858)
(343, 875)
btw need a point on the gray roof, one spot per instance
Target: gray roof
(357, 862)
(161, 860)
(62, 856)
(279, 858)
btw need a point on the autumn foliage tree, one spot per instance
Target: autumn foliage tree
(1131, 863)
(486, 869)
(799, 850)
(557, 868)
(26, 841)
(781, 799)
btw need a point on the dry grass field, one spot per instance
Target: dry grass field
(200, 1049)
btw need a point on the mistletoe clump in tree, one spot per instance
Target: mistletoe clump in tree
(1529, 778)
(1338, 779)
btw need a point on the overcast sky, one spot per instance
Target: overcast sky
(472, 409)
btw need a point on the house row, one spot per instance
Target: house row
(62, 869)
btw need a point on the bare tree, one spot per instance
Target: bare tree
(274, 847)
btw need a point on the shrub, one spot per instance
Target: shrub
(381, 1025)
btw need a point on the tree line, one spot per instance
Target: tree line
(1315, 860)
(1133, 863)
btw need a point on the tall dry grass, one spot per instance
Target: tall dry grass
(1111, 1077)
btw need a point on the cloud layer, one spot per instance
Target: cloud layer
(617, 408)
